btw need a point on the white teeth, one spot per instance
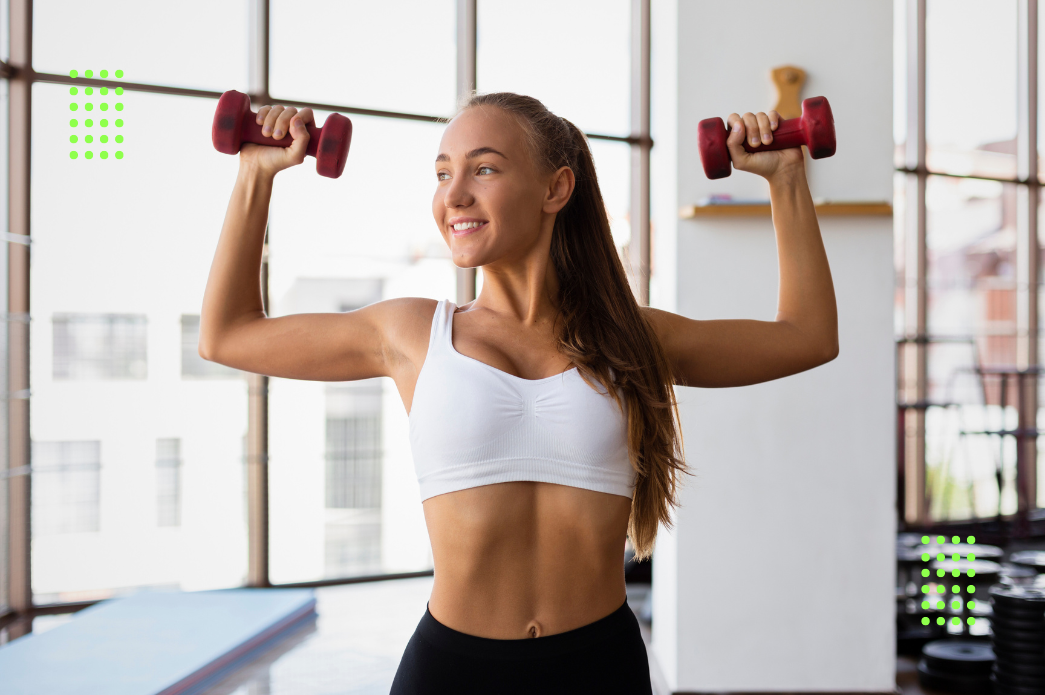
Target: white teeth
(466, 225)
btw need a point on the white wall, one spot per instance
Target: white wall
(779, 573)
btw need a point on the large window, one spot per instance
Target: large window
(145, 457)
(969, 260)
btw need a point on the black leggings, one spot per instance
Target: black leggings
(605, 657)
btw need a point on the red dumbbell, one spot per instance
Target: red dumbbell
(329, 144)
(815, 129)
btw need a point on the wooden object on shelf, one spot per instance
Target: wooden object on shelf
(852, 208)
(788, 80)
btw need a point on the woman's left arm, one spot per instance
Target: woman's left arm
(739, 352)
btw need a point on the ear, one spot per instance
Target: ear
(560, 188)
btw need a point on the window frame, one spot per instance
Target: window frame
(18, 75)
(913, 345)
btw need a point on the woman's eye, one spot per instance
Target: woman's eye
(442, 176)
(487, 169)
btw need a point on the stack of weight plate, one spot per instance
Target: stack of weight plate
(1018, 637)
(956, 666)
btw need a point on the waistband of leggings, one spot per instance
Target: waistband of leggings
(443, 637)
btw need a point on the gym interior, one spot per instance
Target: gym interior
(169, 524)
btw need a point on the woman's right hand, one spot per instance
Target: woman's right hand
(277, 122)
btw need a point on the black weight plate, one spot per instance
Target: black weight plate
(1005, 646)
(1032, 615)
(908, 555)
(1004, 622)
(959, 656)
(909, 540)
(934, 680)
(1019, 597)
(1028, 666)
(1006, 678)
(1016, 574)
(1024, 636)
(1002, 689)
(1029, 558)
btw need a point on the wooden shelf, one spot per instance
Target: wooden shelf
(826, 208)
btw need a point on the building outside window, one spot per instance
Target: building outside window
(99, 346)
(168, 482)
(66, 487)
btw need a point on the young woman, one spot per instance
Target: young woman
(542, 415)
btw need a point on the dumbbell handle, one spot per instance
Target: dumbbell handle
(251, 132)
(788, 134)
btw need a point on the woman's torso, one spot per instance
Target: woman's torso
(514, 559)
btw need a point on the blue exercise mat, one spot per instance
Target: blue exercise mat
(151, 643)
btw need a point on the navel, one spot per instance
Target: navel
(534, 629)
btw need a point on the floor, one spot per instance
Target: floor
(354, 646)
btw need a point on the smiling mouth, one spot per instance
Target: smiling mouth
(463, 228)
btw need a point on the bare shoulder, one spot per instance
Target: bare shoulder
(660, 320)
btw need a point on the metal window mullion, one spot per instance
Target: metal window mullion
(1027, 253)
(467, 36)
(639, 246)
(915, 354)
(20, 594)
(258, 384)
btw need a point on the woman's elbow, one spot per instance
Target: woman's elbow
(829, 350)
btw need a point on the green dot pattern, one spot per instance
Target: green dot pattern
(939, 596)
(87, 123)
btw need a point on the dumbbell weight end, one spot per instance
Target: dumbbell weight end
(814, 129)
(234, 124)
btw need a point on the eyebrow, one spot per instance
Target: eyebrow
(471, 155)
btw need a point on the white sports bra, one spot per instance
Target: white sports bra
(472, 424)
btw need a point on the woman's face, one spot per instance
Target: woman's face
(489, 195)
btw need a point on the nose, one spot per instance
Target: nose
(458, 194)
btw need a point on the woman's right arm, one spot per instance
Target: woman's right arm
(234, 329)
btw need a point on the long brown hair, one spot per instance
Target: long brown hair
(604, 332)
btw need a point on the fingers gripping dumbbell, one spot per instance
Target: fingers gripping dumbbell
(815, 129)
(329, 144)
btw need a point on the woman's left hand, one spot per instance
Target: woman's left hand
(757, 129)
